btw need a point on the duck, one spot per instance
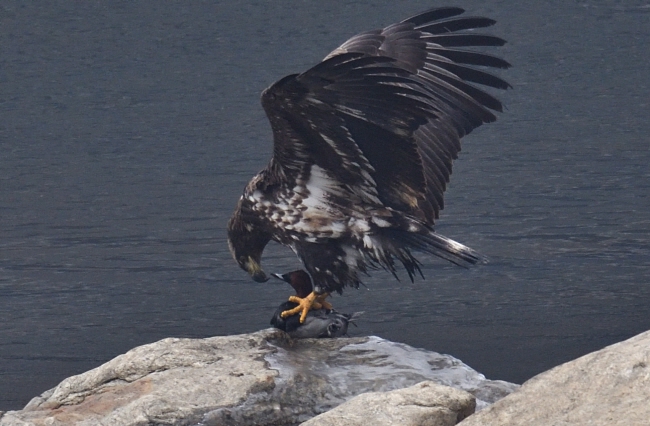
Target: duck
(322, 321)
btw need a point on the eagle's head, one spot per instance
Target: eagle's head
(246, 241)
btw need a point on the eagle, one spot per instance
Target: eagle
(363, 144)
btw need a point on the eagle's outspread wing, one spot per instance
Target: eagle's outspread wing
(363, 149)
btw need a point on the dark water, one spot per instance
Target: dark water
(128, 130)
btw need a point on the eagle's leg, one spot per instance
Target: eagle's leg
(313, 300)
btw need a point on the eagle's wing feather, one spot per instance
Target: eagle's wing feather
(383, 114)
(354, 117)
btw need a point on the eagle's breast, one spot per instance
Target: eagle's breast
(308, 209)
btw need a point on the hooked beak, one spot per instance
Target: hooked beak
(256, 271)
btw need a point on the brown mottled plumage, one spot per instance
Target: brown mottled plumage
(363, 150)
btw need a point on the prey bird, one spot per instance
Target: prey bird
(363, 144)
(321, 321)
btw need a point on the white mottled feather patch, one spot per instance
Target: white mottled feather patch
(381, 222)
(318, 186)
(306, 210)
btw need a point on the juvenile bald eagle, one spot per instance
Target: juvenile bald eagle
(363, 145)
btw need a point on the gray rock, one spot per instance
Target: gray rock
(173, 381)
(424, 404)
(609, 387)
(263, 378)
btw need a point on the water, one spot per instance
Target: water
(128, 131)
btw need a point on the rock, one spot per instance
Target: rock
(263, 378)
(173, 381)
(424, 404)
(608, 387)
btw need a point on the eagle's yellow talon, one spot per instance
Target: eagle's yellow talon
(313, 300)
(320, 299)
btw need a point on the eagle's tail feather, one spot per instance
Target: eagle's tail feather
(440, 246)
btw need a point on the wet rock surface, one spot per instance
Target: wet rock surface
(262, 378)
